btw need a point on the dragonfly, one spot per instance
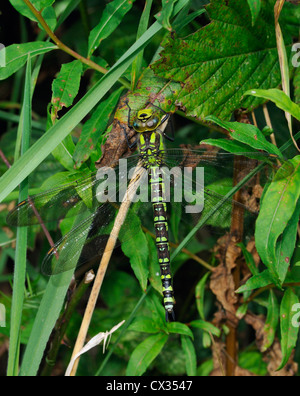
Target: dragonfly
(180, 181)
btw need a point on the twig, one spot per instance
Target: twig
(104, 264)
(64, 47)
(4, 159)
(237, 229)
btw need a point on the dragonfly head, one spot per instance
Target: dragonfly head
(146, 120)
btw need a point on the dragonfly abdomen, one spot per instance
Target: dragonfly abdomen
(162, 237)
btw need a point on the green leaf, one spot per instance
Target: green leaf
(16, 56)
(112, 16)
(94, 128)
(232, 146)
(256, 281)
(206, 326)
(21, 239)
(165, 14)
(65, 87)
(253, 361)
(143, 25)
(46, 317)
(247, 134)
(249, 259)
(144, 324)
(190, 356)
(286, 244)
(179, 328)
(289, 332)
(271, 322)
(43, 6)
(199, 294)
(296, 83)
(145, 353)
(278, 206)
(225, 58)
(136, 248)
(154, 304)
(47, 143)
(45, 320)
(255, 6)
(279, 98)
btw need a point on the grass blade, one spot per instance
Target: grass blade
(21, 245)
(55, 135)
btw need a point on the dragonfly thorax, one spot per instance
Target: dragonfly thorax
(151, 148)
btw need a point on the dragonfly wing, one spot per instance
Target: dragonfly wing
(87, 241)
(203, 193)
(68, 200)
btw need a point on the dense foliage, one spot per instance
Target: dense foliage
(228, 71)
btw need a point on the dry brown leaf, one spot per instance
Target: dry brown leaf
(273, 356)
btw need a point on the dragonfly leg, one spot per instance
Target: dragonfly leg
(164, 119)
(130, 145)
(129, 113)
(172, 137)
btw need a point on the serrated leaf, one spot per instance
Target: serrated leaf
(16, 56)
(190, 356)
(247, 134)
(279, 98)
(94, 128)
(111, 18)
(65, 87)
(289, 332)
(278, 206)
(145, 353)
(216, 69)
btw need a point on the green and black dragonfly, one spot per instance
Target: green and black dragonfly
(180, 180)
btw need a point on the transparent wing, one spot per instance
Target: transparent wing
(80, 195)
(88, 239)
(205, 178)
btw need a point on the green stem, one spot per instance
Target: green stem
(64, 47)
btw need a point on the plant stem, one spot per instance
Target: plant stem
(103, 266)
(236, 230)
(64, 47)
